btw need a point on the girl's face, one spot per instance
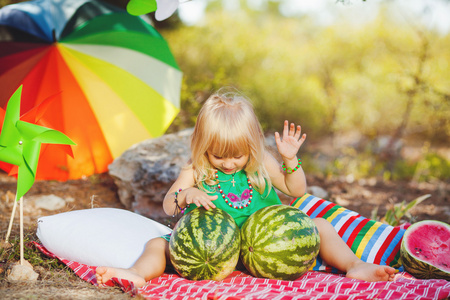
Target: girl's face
(228, 165)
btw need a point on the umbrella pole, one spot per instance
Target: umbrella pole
(11, 221)
(21, 231)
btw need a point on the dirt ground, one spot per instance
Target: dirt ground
(100, 191)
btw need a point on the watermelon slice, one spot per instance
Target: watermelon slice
(425, 250)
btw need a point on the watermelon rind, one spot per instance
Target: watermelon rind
(205, 245)
(416, 266)
(279, 242)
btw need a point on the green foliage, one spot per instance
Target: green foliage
(365, 164)
(432, 167)
(329, 79)
(398, 211)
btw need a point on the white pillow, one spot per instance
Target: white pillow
(99, 236)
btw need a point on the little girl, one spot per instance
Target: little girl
(230, 169)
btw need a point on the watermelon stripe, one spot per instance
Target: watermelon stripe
(273, 256)
(209, 253)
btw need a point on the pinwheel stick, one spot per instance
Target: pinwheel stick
(21, 227)
(21, 231)
(11, 222)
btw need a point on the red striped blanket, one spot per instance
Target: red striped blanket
(312, 285)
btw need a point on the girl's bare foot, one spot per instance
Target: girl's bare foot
(371, 272)
(104, 274)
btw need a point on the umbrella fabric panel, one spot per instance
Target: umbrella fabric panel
(8, 34)
(86, 12)
(49, 16)
(71, 114)
(119, 21)
(130, 110)
(17, 22)
(164, 79)
(125, 31)
(14, 68)
(119, 124)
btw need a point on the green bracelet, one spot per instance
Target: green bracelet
(289, 170)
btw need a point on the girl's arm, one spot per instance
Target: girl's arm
(291, 183)
(184, 186)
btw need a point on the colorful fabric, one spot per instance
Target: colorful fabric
(239, 285)
(235, 187)
(167, 237)
(372, 241)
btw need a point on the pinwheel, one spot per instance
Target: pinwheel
(115, 79)
(20, 145)
(162, 8)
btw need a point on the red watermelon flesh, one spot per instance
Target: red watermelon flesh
(431, 243)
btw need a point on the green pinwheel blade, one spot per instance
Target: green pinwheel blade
(10, 135)
(42, 134)
(11, 155)
(10, 143)
(27, 171)
(141, 7)
(20, 143)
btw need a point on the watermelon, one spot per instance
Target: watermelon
(279, 242)
(205, 244)
(425, 250)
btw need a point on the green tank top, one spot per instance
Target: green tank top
(236, 189)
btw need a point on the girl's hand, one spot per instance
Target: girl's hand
(291, 142)
(199, 198)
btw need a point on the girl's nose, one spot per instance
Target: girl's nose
(228, 164)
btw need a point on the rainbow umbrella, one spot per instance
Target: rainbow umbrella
(114, 77)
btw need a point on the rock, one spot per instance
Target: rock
(318, 192)
(23, 272)
(5, 245)
(49, 202)
(145, 172)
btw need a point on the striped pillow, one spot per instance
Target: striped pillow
(372, 241)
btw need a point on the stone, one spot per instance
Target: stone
(5, 245)
(23, 272)
(145, 172)
(317, 191)
(49, 202)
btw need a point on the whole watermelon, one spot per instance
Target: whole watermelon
(279, 242)
(205, 245)
(425, 250)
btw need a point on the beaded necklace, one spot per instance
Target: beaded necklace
(240, 206)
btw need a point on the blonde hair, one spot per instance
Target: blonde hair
(228, 126)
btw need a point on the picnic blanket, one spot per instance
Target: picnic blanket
(239, 285)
